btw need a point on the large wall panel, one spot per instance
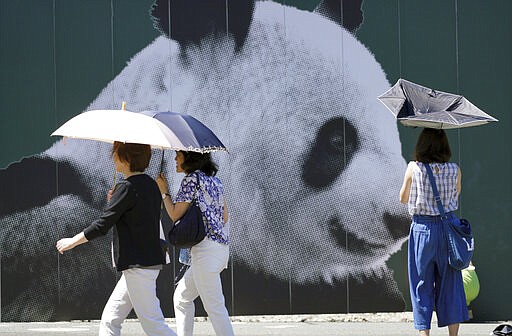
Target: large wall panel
(315, 162)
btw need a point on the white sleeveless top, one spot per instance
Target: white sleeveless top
(421, 198)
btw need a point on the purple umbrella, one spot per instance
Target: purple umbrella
(193, 134)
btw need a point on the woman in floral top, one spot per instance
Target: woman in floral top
(208, 258)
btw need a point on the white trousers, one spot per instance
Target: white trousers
(136, 289)
(202, 279)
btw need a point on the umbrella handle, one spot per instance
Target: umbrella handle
(115, 179)
(162, 161)
(123, 107)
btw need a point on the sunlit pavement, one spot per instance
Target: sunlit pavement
(325, 325)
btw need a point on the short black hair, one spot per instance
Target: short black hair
(199, 161)
(432, 146)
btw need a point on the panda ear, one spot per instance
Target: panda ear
(34, 181)
(346, 13)
(189, 21)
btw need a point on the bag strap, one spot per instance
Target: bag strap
(198, 186)
(437, 198)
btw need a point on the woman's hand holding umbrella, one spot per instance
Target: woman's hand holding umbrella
(162, 184)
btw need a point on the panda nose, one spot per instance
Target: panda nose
(398, 225)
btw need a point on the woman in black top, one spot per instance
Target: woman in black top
(134, 214)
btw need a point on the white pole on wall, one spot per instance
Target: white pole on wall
(54, 27)
(458, 83)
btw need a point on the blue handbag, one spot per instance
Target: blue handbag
(189, 229)
(461, 243)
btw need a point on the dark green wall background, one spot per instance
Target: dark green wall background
(464, 47)
(55, 56)
(53, 65)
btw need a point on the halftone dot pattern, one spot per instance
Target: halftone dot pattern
(313, 167)
(43, 284)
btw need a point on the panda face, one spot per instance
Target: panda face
(318, 177)
(315, 161)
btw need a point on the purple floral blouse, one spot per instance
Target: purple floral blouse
(210, 197)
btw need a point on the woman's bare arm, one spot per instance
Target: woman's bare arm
(226, 214)
(406, 186)
(175, 210)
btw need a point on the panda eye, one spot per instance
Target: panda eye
(334, 145)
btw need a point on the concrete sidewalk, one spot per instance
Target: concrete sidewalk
(395, 324)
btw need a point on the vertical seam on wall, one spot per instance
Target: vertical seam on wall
(112, 54)
(112, 49)
(290, 291)
(457, 45)
(399, 41)
(229, 141)
(169, 92)
(54, 24)
(342, 49)
(170, 53)
(54, 27)
(458, 84)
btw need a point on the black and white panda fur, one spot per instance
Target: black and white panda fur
(312, 174)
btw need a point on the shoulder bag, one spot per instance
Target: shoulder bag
(461, 243)
(189, 229)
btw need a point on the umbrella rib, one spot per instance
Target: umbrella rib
(455, 120)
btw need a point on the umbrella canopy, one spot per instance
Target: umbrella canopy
(193, 134)
(120, 125)
(503, 329)
(418, 106)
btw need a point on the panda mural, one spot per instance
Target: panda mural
(313, 170)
